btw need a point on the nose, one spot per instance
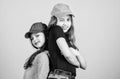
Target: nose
(64, 24)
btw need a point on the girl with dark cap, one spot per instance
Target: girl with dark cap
(37, 65)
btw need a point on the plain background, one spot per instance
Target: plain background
(97, 31)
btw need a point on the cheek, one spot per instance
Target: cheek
(43, 39)
(69, 23)
(33, 43)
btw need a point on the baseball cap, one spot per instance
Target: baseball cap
(35, 28)
(60, 10)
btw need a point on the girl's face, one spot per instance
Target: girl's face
(64, 23)
(38, 39)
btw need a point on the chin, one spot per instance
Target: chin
(37, 46)
(65, 30)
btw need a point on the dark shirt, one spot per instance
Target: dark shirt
(57, 60)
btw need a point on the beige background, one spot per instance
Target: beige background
(97, 30)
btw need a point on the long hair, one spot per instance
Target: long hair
(70, 33)
(32, 57)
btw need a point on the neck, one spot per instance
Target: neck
(38, 49)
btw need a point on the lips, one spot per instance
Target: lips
(37, 42)
(64, 27)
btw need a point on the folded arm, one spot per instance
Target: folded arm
(80, 58)
(66, 52)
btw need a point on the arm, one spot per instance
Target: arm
(70, 57)
(43, 65)
(80, 58)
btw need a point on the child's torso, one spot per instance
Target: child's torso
(33, 71)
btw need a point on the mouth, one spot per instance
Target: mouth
(36, 43)
(64, 27)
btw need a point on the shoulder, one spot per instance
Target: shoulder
(57, 32)
(42, 56)
(56, 28)
(44, 53)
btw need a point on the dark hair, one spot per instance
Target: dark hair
(32, 57)
(70, 33)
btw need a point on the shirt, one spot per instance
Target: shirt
(58, 61)
(39, 68)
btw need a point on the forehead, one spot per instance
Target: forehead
(39, 33)
(64, 17)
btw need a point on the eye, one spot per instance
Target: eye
(37, 35)
(68, 19)
(61, 20)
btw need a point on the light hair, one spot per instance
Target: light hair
(70, 33)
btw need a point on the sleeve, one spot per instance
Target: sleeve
(58, 32)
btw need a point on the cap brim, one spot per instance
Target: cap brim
(27, 35)
(64, 14)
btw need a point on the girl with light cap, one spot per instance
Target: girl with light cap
(37, 65)
(64, 55)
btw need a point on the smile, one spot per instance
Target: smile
(37, 42)
(65, 27)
